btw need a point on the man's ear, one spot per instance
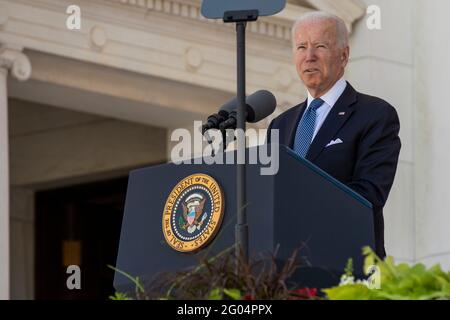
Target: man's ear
(345, 56)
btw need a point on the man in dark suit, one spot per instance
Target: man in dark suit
(352, 136)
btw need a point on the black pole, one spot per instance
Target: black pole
(241, 231)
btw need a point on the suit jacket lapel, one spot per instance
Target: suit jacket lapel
(337, 117)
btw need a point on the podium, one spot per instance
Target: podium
(299, 207)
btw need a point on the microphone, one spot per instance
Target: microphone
(260, 105)
(216, 119)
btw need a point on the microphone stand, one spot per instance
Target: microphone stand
(241, 230)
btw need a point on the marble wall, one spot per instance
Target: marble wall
(406, 63)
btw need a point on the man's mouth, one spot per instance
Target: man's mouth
(310, 71)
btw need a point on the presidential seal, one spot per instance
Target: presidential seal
(193, 213)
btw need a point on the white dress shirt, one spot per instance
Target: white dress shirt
(330, 98)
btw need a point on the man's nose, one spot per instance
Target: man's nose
(311, 54)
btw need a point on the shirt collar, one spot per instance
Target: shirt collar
(332, 96)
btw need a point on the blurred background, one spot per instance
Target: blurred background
(80, 108)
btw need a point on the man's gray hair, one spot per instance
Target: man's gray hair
(341, 28)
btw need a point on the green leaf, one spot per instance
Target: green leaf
(215, 294)
(349, 267)
(136, 281)
(119, 296)
(234, 294)
(349, 292)
(398, 282)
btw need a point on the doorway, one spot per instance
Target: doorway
(78, 225)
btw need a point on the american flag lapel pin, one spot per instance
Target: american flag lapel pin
(342, 113)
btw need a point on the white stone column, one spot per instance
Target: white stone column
(4, 188)
(15, 61)
(383, 66)
(432, 132)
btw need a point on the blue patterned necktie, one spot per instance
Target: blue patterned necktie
(305, 129)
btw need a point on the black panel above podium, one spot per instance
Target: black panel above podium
(299, 207)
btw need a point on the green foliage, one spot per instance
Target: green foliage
(349, 267)
(225, 276)
(228, 276)
(234, 294)
(398, 282)
(139, 287)
(215, 294)
(119, 296)
(221, 294)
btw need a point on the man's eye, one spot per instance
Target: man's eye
(321, 46)
(301, 47)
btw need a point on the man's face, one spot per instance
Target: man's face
(319, 60)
